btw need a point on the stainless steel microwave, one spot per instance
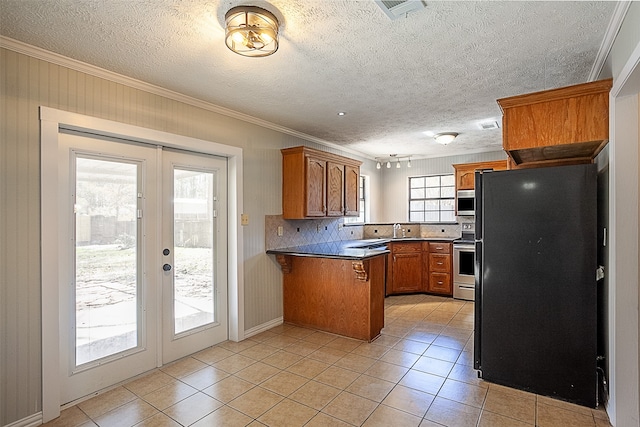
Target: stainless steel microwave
(465, 203)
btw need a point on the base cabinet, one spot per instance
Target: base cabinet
(406, 268)
(440, 267)
(415, 267)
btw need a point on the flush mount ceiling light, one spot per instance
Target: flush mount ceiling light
(251, 31)
(445, 138)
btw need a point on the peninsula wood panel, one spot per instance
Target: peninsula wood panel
(324, 294)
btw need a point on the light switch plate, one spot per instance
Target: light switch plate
(244, 219)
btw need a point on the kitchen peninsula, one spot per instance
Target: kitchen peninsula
(336, 287)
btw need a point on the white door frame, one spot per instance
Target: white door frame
(51, 120)
(624, 253)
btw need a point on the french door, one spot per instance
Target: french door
(194, 264)
(144, 259)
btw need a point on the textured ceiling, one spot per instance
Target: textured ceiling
(437, 69)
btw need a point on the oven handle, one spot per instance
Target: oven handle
(464, 247)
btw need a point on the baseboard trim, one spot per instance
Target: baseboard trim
(265, 326)
(30, 421)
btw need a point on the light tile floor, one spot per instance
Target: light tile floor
(417, 373)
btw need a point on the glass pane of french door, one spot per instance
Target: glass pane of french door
(194, 252)
(107, 279)
(194, 259)
(109, 273)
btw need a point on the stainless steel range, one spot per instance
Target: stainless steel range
(464, 265)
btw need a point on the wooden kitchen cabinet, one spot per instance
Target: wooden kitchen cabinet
(465, 172)
(316, 187)
(405, 268)
(439, 268)
(316, 184)
(420, 267)
(351, 190)
(335, 189)
(557, 126)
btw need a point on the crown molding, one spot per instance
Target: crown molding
(83, 67)
(609, 38)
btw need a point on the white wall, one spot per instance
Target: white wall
(393, 199)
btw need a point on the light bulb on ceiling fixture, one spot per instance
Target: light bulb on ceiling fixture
(445, 138)
(251, 31)
(398, 164)
(388, 165)
(409, 162)
(378, 166)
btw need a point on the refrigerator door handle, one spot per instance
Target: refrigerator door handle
(477, 323)
(477, 203)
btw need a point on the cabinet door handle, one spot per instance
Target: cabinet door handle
(440, 263)
(439, 248)
(440, 283)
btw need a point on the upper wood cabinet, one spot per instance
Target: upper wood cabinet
(465, 172)
(318, 184)
(352, 190)
(565, 125)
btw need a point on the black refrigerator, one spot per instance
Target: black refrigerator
(535, 295)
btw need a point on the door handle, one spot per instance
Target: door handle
(166, 267)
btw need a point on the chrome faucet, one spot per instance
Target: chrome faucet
(396, 227)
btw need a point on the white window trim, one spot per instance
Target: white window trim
(409, 199)
(51, 120)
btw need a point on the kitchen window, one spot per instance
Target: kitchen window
(432, 198)
(364, 201)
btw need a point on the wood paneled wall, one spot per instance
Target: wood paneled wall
(27, 83)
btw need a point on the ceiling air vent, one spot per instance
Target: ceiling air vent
(489, 125)
(396, 9)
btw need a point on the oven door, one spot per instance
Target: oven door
(464, 272)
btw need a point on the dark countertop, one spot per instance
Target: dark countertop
(349, 249)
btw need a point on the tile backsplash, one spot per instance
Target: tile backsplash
(298, 232)
(446, 231)
(309, 231)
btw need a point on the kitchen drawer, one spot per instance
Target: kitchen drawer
(440, 248)
(439, 263)
(440, 283)
(406, 247)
